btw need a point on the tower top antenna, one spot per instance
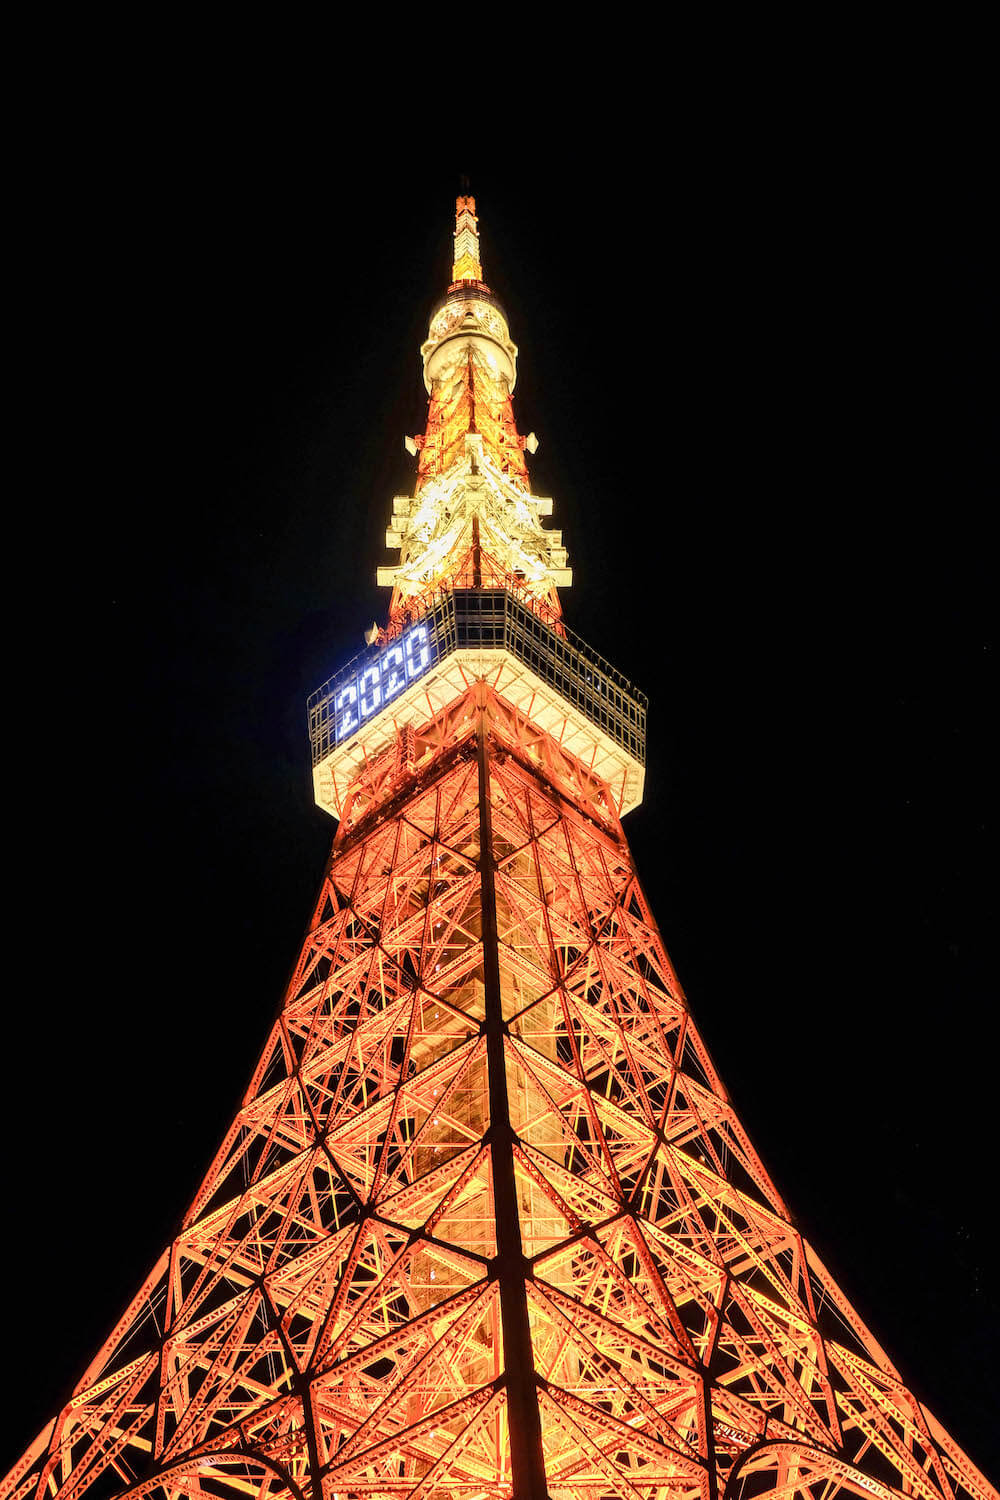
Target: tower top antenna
(467, 265)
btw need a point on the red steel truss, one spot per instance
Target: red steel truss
(486, 1223)
(469, 402)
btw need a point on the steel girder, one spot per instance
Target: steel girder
(486, 1223)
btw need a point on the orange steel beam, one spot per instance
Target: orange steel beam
(527, 1462)
(486, 1225)
(485, 1221)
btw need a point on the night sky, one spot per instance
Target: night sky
(758, 378)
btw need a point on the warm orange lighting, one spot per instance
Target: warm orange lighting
(486, 1223)
(472, 511)
(466, 264)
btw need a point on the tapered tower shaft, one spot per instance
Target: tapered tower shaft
(486, 1225)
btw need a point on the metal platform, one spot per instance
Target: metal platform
(483, 619)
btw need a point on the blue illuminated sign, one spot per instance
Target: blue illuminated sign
(381, 680)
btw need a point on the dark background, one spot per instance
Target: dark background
(755, 360)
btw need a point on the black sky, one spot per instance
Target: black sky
(758, 377)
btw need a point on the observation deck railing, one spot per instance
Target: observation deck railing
(490, 619)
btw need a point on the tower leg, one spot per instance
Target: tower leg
(522, 1392)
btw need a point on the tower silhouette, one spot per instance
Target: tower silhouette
(486, 1221)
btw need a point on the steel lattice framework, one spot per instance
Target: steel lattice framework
(486, 1223)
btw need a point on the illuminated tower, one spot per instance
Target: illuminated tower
(486, 1223)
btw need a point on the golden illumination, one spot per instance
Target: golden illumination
(472, 515)
(466, 266)
(486, 1224)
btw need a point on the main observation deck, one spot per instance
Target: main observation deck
(563, 685)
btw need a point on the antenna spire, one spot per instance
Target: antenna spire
(467, 265)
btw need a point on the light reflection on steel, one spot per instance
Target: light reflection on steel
(486, 1223)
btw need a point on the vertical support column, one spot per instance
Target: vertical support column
(524, 1421)
(477, 556)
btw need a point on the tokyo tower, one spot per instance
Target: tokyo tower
(486, 1223)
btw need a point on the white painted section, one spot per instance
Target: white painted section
(513, 681)
(457, 346)
(432, 527)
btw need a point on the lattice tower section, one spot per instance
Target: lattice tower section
(468, 397)
(486, 1225)
(470, 368)
(486, 1222)
(466, 265)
